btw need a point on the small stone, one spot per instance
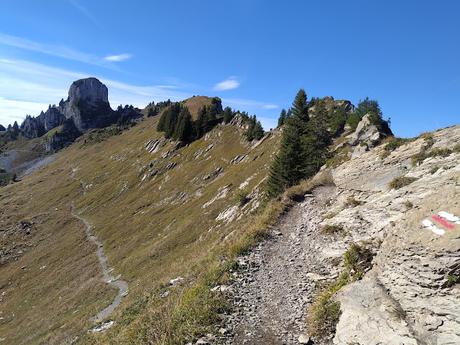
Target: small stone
(304, 339)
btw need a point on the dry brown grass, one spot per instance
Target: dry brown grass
(195, 103)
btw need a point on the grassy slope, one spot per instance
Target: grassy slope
(195, 103)
(153, 230)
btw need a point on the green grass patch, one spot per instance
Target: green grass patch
(392, 144)
(452, 279)
(437, 152)
(324, 313)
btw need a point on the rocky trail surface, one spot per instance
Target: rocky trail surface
(273, 290)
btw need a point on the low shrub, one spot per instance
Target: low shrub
(331, 229)
(400, 182)
(436, 152)
(452, 279)
(408, 204)
(242, 197)
(352, 202)
(357, 260)
(434, 169)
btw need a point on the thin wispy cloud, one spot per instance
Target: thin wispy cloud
(118, 58)
(84, 11)
(230, 83)
(51, 49)
(28, 87)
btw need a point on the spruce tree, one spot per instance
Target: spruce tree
(171, 120)
(299, 108)
(282, 118)
(258, 131)
(289, 165)
(228, 114)
(315, 143)
(200, 123)
(184, 127)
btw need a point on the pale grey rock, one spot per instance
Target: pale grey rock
(404, 299)
(304, 339)
(366, 133)
(89, 90)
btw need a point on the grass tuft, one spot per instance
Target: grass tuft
(400, 182)
(324, 312)
(352, 202)
(331, 229)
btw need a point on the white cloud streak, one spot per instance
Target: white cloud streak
(84, 11)
(49, 49)
(27, 88)
(230, 83)
(62, 51)
(118, 58)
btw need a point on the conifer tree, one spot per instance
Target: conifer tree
(282, 118)
(184, 127)
(200, 123)
(171, 120)
(289, 166)
(315, 143)
(258, 131)
(228, 114)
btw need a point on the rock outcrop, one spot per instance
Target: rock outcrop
(87, 107)
(2, 129)
(63, 137)
(409, 295)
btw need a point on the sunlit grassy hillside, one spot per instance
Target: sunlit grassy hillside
(160, 214)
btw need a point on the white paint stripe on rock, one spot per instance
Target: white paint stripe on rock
(429, 225)
(449, 216)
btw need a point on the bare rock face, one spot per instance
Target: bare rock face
(89, 90)
(411, 294)
(52, 118)
(88, 105)
(2, 129)
(366, 133)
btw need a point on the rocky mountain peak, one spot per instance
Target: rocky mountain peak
(90, 90)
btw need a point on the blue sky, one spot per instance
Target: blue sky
(253, 54)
